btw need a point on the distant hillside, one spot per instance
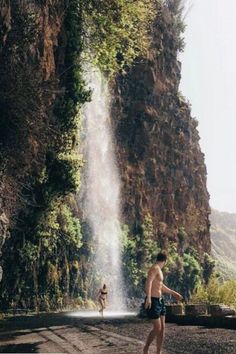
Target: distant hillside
(223, 236)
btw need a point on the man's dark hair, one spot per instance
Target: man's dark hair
(162, 256)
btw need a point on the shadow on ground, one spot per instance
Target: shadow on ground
(19, 348)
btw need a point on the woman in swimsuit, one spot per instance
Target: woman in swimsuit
(102, 298)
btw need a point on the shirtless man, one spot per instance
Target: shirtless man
(154, 303)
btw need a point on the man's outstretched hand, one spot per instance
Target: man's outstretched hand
(178, 297)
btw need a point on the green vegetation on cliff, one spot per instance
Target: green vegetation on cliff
(185, 271)
(44, 244)
(116, 32)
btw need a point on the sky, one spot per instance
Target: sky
(209, 83)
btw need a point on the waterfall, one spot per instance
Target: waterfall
(101, 185)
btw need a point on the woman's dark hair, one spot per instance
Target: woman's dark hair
(162, 256)
(104, 286)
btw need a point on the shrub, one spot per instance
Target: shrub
(216, 292)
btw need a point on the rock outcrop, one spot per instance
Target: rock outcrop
(162, 166)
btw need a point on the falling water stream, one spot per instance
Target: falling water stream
(102, 188)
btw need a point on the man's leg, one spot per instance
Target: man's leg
(160, 338)
(155, 332)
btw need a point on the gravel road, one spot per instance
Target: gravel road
(60, 333)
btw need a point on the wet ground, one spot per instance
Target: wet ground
(74, 333)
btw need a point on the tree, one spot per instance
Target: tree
(208, 267)
(191, 275)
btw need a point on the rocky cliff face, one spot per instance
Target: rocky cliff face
(29, 34)
(162, 166)
(41, 89)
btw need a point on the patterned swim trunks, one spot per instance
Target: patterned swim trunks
(157, 308)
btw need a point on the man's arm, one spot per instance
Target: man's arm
(167, 290)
